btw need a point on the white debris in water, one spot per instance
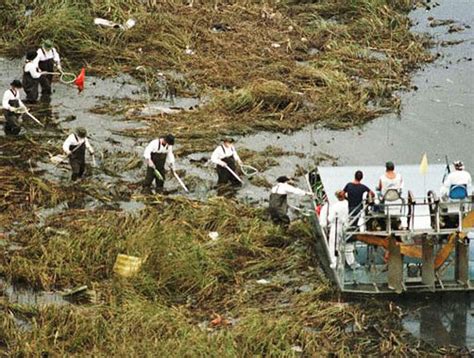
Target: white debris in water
(214, 235)
(297, 349)
(189, 51)
(107, 23)
(262, 281)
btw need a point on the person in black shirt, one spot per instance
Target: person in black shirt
(355, 192)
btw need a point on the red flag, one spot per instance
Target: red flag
(79, 82)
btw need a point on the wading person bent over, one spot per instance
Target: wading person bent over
(158, 153)
(12, 107)
(225, 156)
(278, 206)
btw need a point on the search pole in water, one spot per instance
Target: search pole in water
(180, 181)
(234, 174)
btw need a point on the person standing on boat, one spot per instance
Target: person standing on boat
(278, 206)
(75, 148)
(225, 156)
(338, 219)
(158, 153)
(390, 180)
(31, 77)
(460, 177)
(12, 107)
(48, 57)
(355, 191)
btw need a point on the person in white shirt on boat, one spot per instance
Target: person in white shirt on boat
(338, 219)
(459, 177)
(157, 154)
(75, 147)
(390, 180)
(278, 205)
(225, 156)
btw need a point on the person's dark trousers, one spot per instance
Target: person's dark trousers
(31, 88)
(46, 80)
(224, 176)
(159, 159)
(77, 159)
(12, 125)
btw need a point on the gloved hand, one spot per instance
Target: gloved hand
(222, 163)
(150, 163)
(240, 162)
(17, 110)
(171, 166)
(58, 66)
(68, 152)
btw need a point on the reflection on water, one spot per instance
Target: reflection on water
(443, 320)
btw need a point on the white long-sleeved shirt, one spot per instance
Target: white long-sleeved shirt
(222, 152)
(284, 189)
(9, 95)
(339, 213)
(458, 177)
(44, 55)
(32, 68)
(75, 140)
(156, 146)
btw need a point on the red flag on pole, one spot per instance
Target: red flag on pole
(79, 82)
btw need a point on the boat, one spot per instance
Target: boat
(408, 242)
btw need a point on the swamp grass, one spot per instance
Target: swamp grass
(282, 64)
(186, 284)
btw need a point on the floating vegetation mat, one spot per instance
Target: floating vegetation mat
(247, 289)
(263, 65)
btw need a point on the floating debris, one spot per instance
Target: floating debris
(127, 266)
(107, 23)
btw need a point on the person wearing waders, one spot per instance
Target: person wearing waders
(31, 77)
(75, 148)
(158, 153)
(12, 107)
(278, 206)
(225, 156)
(47, 58)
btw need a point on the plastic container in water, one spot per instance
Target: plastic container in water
(127, 266)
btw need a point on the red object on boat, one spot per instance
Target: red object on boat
(79, 82)
(318, 209)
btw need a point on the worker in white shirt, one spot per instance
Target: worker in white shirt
(339, 220)
(75, 148)
(390, 180)
(48, 57)
(225, 156)
(157, 154)
(31, 77)
(459, 177)
(12, 107)
(278, 206)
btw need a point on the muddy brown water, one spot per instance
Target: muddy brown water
(436, 119)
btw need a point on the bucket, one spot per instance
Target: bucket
(127, 266)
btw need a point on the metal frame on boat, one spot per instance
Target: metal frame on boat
(413, 243)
